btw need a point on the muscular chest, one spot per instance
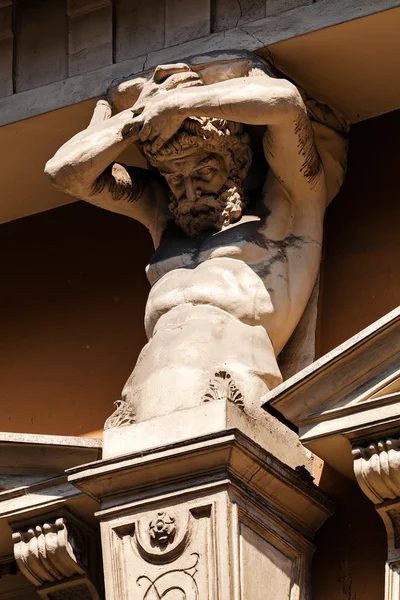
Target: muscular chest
(243, 242)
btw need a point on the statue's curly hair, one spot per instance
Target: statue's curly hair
(214, 135)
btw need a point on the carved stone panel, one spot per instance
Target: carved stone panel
(167, 553)
(265, 571)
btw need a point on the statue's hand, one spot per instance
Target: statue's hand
(155, 115)
(168, 77)
(157, 121)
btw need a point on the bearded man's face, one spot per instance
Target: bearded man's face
(206, 193)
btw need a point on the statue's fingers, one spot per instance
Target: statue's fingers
(180, 79)
(102, 112)
(158, 143)
(163, 71)
(146, 133)
(130, 129)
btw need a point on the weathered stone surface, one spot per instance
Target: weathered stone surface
(6, 48)
(42, 25)
(347, 407)
(208, 518)
(54, 556)
(273, 7)
(139, 28)
(377, 470)
(351, 393)
(90, 35)
(34, 495)
(251, 36)
(204, 420)
(227, 14)
(299, 352)
(186, 20)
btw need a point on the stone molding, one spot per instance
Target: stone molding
(86, 82)
(52, 556)
(347, 408)
(228, 456)
(35, 504)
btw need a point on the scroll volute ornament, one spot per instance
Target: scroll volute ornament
(163, 535)
(377, 469)
(50, 556)
(46, 553)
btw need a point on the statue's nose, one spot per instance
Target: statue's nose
(188, 187)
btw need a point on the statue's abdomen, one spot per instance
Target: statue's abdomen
(201, 322)
(224, 283)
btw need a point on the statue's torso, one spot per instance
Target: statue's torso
(241, 270)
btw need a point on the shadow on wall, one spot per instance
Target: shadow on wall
(349, 563)
(72, 308)
(360, 273)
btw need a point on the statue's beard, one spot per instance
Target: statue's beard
(205, 212)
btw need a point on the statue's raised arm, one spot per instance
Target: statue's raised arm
(86, 167)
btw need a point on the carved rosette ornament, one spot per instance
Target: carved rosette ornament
(162, 536)
(162, 529)
(50, 555)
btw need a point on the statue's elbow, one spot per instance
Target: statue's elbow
(59, 175)
(291, 101)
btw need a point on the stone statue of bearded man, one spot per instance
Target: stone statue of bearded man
(244, 165)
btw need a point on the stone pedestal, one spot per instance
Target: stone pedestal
(206, 517)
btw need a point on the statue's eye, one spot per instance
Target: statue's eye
(174, 179)
(206, 171)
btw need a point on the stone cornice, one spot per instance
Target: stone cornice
(350, 395)
(347, 408)
(223, 457)
(250, 36)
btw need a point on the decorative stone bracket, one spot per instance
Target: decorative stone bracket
(53, 556)
(377, 469)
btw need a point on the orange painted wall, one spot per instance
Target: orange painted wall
(361, 266)
(73, 292)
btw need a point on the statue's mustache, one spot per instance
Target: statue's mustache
(197, 204)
